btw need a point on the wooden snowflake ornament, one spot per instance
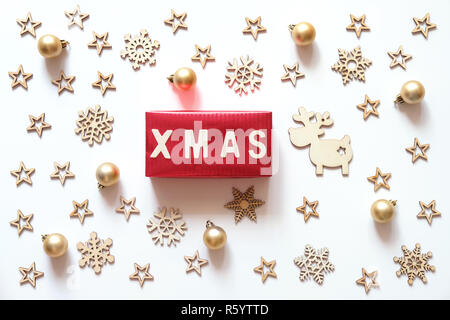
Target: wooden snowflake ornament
(246, 75)
(314, 264)
(414, 264)
(166, 226)
(95, 252)
(244, 204)
(140, 49)
(323, 153)
(94, 125)
(351, 65)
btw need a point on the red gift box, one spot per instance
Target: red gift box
(208, 144)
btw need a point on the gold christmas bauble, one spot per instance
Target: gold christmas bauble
(412, 92)
(214, 237)
(50, 46)
(303, 33)
(383, 210)
(55, 244)
(184, 78)
(107, 174)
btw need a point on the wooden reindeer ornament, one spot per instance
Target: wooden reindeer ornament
(323, 153)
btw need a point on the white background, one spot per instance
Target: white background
(345, 225)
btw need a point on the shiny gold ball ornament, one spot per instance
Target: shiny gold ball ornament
(303, 33)
(55, 244)
(184, 78)
(50, 46)
(383, 210)
(214, 237)
(412, 92)
(107, 174)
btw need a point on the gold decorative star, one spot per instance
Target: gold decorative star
(292, 73)
(85, 211)
(58, 169)
(425, 207)
(20, 77)
(372, 283)
(174, 18)
(365, 107)
(384, 176)
(423, 148)
(63, 83)
(203, 51)
(265, 264)
(99, 45)
(101, 79)
(250, 24)
(191, 266)
(76, 17)
(361, 20)
(26, 271)
(395, 55)
(124, 204)
(38, 120)
(24, 22)
(428, 25)
(17, 222)
(136, 274)
(18, 174)
(244, 204)
(312, 205)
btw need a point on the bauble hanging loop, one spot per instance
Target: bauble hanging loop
(303, 33)
(383, 210)
(55, 244)
(107, 174)
(50, 46)
(183, 79)
(412, 92)
(214, 236)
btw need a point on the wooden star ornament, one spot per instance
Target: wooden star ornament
(18, 174)
(59, 169)
(136, 275)
(63, 82)
(395, 58)
(368, 280)
(413, 150)
(384, 176)
(20, 78)
(304, 209)
(125, 204)
(38, 124)
(80, 210)
(203, 55)
(264, 264)
(176, 21)
(250, 27)
(292, 73)
(191, 263)
(373, 105)
(244, 204)
(424, 21)
(76, 17)
(426, 208)
(100, 42)
(34, 275)
(24, 23)
(104, 82)
(358, 21)
(18, 222)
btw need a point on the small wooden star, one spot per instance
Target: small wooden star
(384, 176)
(26, 271)
(58, 169)
(368, 280)
(136, 274)
(270, 265)
(303, 208)
(365, 107)
(250, 24)
(76, 17)
(124, 204)
(423, 148)
(101, 80)
(17, 222)
(24, 22)
(395, 55)
(292, 73)
(353, 27)
(203, 51)
(425, 207)
(41, 124)
(100, 42)
(18, 174)
(191, 266)
(244, 204)
(85, 211)
(64, 83)
(428, 25)
(20, 77)
(174, 18)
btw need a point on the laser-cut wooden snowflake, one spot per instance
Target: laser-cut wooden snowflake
(414, 264)
(245, 75)
(244, 204)
(94, 125)
(139, 49)
(314, 264)
(351, 65)
(167, 226)
(95, 252)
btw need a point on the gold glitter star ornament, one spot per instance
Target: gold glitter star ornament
(139, 49)
(244, 204)
(414, 264)
(351, 65)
